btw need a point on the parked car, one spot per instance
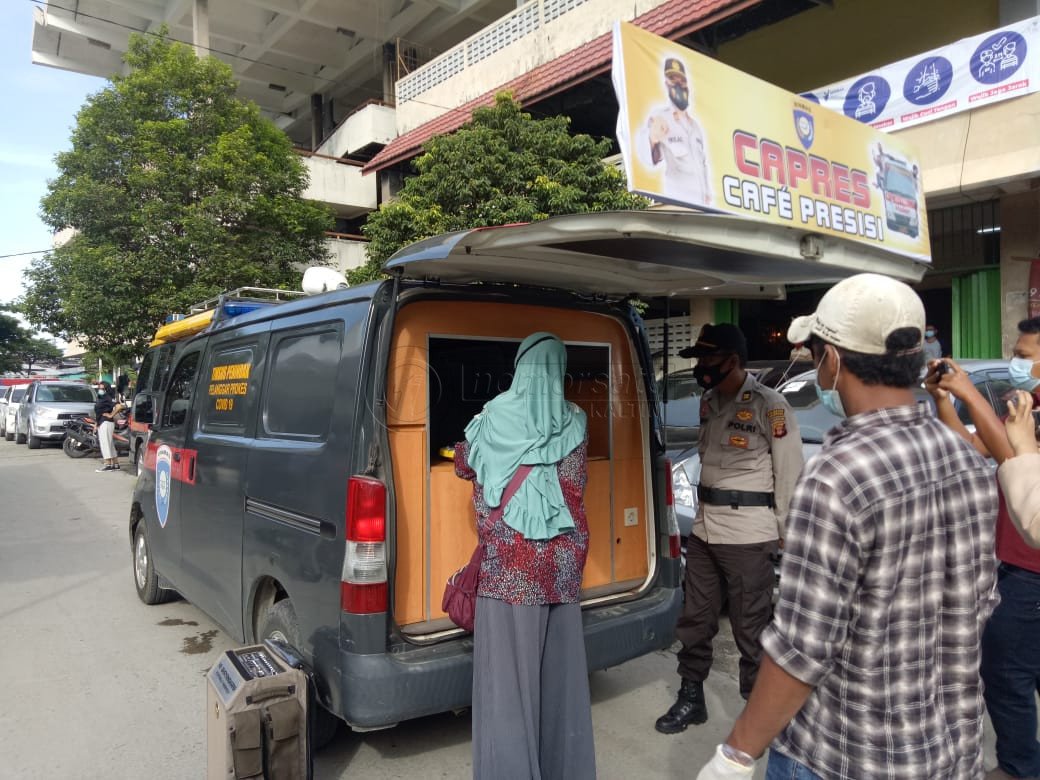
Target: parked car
(294, 485)
(681, 405)
(9, 401)
(48, 407)
(814, 420)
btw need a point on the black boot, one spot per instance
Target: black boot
(689, 708)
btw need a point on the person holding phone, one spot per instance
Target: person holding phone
(1019, 475)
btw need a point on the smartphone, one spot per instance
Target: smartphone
(943, 368)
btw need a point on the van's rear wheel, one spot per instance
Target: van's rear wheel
(146, 578)
(279, 622)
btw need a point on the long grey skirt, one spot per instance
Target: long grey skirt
(532, 719)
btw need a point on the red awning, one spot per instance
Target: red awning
(672, 19)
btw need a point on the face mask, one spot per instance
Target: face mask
(710, 376)
(929, 334)
(1021, 371)
(679, 94)
(830, 399)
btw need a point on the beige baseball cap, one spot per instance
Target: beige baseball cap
(860, 313)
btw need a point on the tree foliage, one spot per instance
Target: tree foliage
(502, 167)
(178, 190)
(18, 346)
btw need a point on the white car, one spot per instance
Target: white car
(47, 409)
(10, 398)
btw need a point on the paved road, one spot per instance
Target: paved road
(98, 685)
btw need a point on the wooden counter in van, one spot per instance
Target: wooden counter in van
(435, 527)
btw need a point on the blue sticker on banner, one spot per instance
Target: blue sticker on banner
(810, 96)
(867, 98)
(998, 57)
(928, 80)
(805, 127)
(163, 483)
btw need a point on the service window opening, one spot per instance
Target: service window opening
(466, 373)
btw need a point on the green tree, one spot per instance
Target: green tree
(504, 166)
(178, 190)
(18, 346)
(12, 336)
(36, 351)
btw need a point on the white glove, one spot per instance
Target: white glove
(722, 768)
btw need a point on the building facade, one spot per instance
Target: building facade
(361, 85)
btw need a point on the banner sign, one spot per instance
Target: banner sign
(970, 73)
(695, 132)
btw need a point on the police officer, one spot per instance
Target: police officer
(677, 141)
(751, 454)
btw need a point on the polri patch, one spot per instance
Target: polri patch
(738, 441)
(745, 415)
(779, 430)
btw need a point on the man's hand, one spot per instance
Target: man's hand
(931, 381)
(722, 768)
(658, 129)
(1020, 427)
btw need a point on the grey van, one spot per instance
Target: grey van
(298, 481)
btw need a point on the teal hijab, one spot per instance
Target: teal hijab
(529, 424)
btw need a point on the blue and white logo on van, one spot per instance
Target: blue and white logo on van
(163, 482)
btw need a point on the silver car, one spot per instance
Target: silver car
(48, 408)
(10, 398)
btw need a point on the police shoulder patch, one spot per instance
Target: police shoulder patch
(776, 414)
(779, 429)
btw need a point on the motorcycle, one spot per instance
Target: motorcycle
(81, 437)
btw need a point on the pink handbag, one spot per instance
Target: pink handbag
(460, 592)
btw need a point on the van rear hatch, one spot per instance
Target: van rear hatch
(448, 357)
(649, 253)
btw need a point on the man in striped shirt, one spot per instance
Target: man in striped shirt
(871, 664)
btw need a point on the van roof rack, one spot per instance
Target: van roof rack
(255, 294)
(209, 312)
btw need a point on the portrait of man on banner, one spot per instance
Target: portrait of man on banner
(674, 142)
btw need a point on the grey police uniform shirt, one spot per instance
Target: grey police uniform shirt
(747, 442)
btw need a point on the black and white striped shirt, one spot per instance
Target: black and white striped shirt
(888, 578)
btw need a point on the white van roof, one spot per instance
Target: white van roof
(651, 253)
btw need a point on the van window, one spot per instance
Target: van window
(302, 385)
(466, 373)
(145, 373)
(162, 365)
(227, 383)
(178, 397)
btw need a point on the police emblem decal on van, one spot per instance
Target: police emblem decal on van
(163, 481)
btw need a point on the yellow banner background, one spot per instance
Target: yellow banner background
(743, 146)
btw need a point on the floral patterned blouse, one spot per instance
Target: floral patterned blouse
(529, 571)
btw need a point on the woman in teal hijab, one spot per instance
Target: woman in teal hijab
(531, 711)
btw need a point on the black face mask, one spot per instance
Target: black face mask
(679, 94)
(710, 376)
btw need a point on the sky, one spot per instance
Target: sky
(40, 106)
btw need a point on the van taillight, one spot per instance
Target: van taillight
(363, 586)
(674, 543)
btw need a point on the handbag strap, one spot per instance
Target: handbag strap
(510, 491)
